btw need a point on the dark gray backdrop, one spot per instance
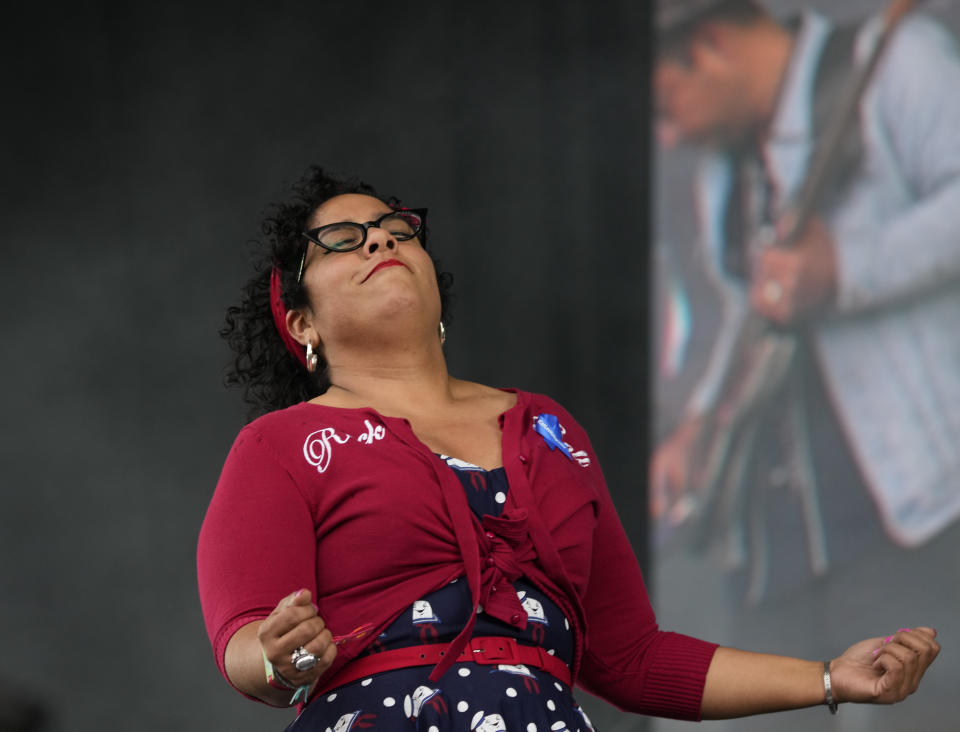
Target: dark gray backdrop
(141, 143)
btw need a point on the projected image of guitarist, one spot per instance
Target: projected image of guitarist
(827, 422)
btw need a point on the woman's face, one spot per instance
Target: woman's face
(384, 283)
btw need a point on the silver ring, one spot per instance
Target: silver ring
(772, 291)
(302, 659)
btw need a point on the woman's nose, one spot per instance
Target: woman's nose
(378, 238)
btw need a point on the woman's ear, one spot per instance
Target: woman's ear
(301, 328)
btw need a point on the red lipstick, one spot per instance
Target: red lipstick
(384, 263)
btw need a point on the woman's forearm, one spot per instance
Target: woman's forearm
(740, 683)
(873, 671)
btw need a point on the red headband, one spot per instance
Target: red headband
(279, 311)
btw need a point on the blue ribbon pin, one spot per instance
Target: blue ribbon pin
(548, 426)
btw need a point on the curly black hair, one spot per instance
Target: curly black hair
(272, 377)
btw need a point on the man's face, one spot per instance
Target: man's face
(701, 94)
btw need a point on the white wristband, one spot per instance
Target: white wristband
(828, 689)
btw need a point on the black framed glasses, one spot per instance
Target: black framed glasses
(348, 236)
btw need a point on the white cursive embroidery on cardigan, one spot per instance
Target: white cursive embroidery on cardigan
(372, 433)
(318, 447)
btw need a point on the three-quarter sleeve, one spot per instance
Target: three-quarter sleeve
(257, 543)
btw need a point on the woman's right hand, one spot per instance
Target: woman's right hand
(294, 623)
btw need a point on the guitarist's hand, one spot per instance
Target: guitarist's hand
(793, 282)
(670, 472)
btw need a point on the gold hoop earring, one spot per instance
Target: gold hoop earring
(311, 358)
(443, 334)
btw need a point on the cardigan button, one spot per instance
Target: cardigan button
(516, 618)
(490, 561)
(490, 535)
(523, 459)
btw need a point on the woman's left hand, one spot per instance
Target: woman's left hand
(884, 670)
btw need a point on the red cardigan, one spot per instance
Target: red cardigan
(350, 504)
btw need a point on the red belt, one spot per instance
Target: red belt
(486, 650)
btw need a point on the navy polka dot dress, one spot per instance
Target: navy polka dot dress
(470, 696)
